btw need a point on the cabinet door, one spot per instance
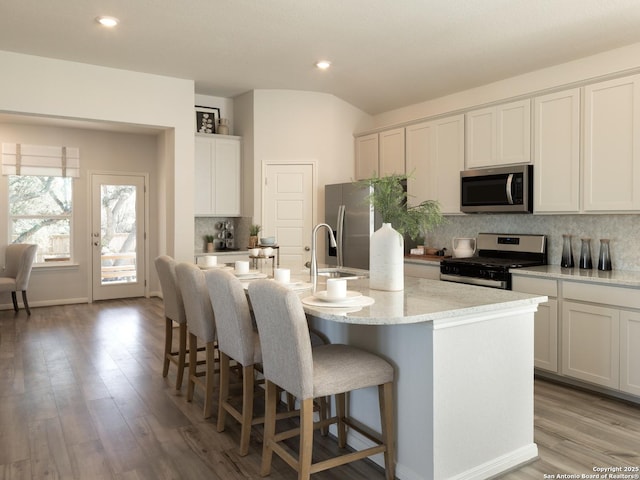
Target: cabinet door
(203, 167)
(611, 156)
(435, 157)
(545, 353)
(557, 152)
(392, 152)
(630, 352)
(590, 342)
(366, 156)
(432, 272)
(513, 133)
(481, 138)
(226, 178)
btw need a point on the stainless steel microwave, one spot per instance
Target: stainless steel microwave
(497, 190)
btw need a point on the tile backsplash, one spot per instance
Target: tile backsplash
(622, 230)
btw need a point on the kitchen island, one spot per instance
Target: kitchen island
(463, 357)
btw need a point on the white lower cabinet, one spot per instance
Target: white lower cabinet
(545, 347)
(630, 352)
(590, 340)
(422, 270)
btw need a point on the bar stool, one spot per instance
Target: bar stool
(289, 362)
(173, 312)
(201, 326)
(237, 340)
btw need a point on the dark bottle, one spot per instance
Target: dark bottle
(567, 252)
(604, 260)
(585, 253)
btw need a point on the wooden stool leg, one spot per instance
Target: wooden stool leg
(385, 395)
(224, 390)
(270, 400)
(248, 378)
(168, 340)
(306, 439)
(182, 353)
(193, 362)
(340, 413)
(209, 379)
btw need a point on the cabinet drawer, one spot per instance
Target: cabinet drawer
(538, 286)
(604, 294)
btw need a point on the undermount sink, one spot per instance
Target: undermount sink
(336, 272)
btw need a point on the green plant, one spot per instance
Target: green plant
(254, 230)
(389, 198)
(209, 238)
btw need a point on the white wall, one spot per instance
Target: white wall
(43, 86)
(292, 126)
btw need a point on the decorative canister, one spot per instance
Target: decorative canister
(585, 253)
(386, 259)
(567, 252)
(223, 127)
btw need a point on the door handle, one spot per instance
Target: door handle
(306, 249)
(96, 244)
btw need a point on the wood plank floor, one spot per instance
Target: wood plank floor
(82, 397)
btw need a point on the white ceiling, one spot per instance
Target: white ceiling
(386, 54)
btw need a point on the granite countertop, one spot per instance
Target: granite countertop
(421, 301)
(624, 278)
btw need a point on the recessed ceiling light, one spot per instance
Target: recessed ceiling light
(323, 64)
(107, 21)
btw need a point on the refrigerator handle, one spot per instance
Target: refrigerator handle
(341, 212)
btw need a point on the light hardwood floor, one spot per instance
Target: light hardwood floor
(82, 397)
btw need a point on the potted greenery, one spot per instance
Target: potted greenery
(386, 254)
(209, 241)
(254, 231)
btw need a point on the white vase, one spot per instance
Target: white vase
(386, 259)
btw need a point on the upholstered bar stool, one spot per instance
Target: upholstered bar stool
(173, 312)
(290, 363)
(237, 340)
(201, 327)
(14, 278)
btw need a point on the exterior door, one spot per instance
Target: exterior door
(287, 203)
(117, 236)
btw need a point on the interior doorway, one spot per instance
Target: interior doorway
(118, 213)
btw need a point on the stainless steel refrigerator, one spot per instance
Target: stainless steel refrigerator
(353, 221)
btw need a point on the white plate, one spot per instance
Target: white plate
(296, 285)
(222, 266)
(356, 302)
(322, 295)
(253, 275)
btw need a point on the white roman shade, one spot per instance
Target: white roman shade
(19, 159)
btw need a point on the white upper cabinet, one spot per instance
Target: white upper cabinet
(380, 154)
(366, 156)
(217, 176)
(611, 136)
(392, 152)
(434, 159)
(499, 135)
(556, 149)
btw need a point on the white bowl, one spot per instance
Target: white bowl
(267, 252)
(268, 241)
(255, 252)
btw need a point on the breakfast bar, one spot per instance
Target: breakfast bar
(464, 373)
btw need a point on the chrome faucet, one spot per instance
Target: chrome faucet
(314, 260)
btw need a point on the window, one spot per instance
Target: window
(40, 212)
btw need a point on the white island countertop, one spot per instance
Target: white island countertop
(422, 300)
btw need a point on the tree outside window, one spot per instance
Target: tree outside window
(40, 212)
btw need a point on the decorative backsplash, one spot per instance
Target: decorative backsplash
(622, 230)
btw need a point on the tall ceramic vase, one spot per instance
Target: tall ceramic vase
(386, 259)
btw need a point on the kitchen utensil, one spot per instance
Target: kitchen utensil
(463, 247)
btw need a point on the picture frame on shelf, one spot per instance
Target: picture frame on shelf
(207, 119)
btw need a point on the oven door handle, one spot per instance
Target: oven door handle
(483, 282)
(510, 189)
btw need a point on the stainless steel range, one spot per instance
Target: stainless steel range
(497, 253)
